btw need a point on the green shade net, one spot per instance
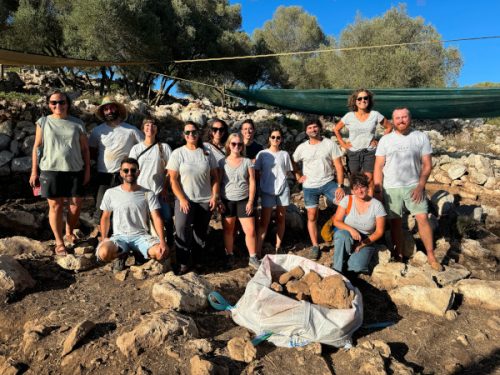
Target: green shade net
(423, 103)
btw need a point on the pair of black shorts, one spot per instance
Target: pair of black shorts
(361, 161)
(55, 184)
(236, 208)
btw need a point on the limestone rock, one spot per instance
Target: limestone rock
(297, 286)
(185, 293)
(480, 293)
(13, 277)
(21, 165)
(4, 141)
(5, 157)
(477, 177)
(20, 222)
(200, 345)
(9, 367)
(154, 330)
(311, 278)
(76, 263)
(442, 178)
(18, 245)
(151, 268)
(76, 335)
(241, 349)
(332, 292)
(295, 273)
(200, 366)
(277, 287)
(451, 275)
(418, 259)
(82, 250)
(474, 249)
(456, 171)
(431, 300)
(391, 275)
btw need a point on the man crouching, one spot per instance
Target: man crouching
(131, 205)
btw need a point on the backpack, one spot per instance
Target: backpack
(328, 230)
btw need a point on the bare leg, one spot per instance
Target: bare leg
(312, 228)
(265, 218)
(425, 231)
(228, 224)
(74, 208)
(280, 223)
(397, 238)
(56, 219)
(248, 225)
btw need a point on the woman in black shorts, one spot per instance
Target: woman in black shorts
(64, 165)
(238, 193)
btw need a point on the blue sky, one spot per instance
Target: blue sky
(452, 19)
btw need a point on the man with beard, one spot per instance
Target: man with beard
(403, 163)
(110, 143)
(321, 163)
(131, 206)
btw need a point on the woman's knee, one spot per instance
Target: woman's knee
(342, 234)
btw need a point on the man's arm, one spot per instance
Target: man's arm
(158, 225)
(418, 194)
(339, 169)
(378, 176)
(105, 222)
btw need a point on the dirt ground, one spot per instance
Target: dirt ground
(426, 343)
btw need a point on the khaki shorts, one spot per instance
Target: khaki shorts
(395, 198)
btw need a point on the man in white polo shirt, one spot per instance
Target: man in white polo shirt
(402, 166)
(321, 163)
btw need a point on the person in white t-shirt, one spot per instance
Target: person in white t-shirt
(402, 166)
(362, 124)
(215, 138)
(321, 163)
(111, 142)
(153, 157)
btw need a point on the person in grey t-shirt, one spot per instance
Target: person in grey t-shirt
(362, 123)
(360, 221)
(402, 166)
(131, 206)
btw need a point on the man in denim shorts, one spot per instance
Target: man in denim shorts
(321, 158)
(131, 206)
(402, 166)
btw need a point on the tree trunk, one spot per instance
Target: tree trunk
(104, 76)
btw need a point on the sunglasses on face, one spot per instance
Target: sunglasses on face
(277, 137)
(131, 170)
(236, 144)
(215, 130)
(360, 98)
(194, 133)
(56, 102)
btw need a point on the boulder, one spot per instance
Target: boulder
(149, 269)
(76, 262)
(17, 221)
(391, 275)
(473, 249)
(154, 330)
(451, 275)
(13, 277)
(18, 245)
(477, 178)
(5, 157)
(185, 293)
(4, 141)
(241, 349)
(6, 128)
(21, 165)
(332, 292)
(455, 171)
(480, 293)
(76, 335)
(430, 300)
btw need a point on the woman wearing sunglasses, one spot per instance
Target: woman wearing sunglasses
(64, 165)
(272, 166)
(216, 137)
(238, 192)
(361, 123)
(194, 180)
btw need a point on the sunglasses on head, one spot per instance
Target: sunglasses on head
(131, 170)
(360, 98)
(236, 144)
(194, 133)
(215, 130)
(56, 102)
(277, 137)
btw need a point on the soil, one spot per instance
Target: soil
(61, 299)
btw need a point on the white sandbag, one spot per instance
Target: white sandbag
(293, 322)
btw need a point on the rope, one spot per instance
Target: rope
(332, 50)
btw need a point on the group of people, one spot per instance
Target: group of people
(232, 174)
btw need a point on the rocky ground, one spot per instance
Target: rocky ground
(73, 316)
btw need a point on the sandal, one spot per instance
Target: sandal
(70, 239)
(60, 250)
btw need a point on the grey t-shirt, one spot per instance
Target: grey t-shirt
(361, 133)
(317, 161)
(235, 180)
(218, 153)
(194, 168)
(152, 165)
(403, 157)
(273, 167)
(113, 144)
(61, 144)
(130, 209)
(363, 223)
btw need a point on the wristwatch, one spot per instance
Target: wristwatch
(341, 186)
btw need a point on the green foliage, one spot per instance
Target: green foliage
(18, 96)
(7, 7)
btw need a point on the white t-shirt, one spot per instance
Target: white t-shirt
(194, 168)
(403, 157)
(130, 209)
(273, 167)
(364, 223)
(361, 133)
(152, 165)
(235, 180)
(317, 161)
(218, 153)
(114, 144)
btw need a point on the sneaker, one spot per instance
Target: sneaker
(314, 254)
(118, 265)
(254, 262)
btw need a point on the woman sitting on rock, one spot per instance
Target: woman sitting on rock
(238, 193)
(64, 165)
(216, 138)
(194, 180)
(360, 222)
(362, 123)
(272, 166)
